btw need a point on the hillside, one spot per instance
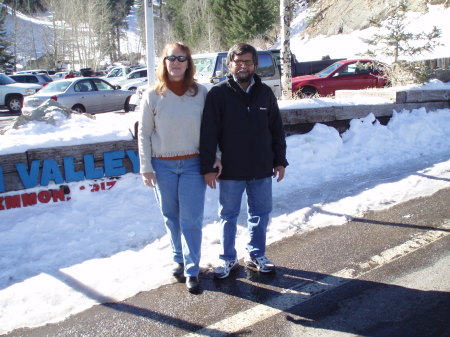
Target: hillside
(336, 27)
(345, 16)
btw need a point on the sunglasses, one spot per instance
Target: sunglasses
(172, 58)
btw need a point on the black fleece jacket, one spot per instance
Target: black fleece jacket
(248, 129)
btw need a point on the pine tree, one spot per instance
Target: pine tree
(397, 41)
(221, 11)
(5, 55)
(176, 18)
(248, 19)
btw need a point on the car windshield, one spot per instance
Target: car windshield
(4, 79)
(328, 70)
(204, 66)
(56, 86)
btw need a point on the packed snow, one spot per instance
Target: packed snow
(61, 258)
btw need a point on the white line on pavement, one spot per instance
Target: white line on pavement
(300, 293)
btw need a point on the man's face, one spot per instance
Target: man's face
(242, 67)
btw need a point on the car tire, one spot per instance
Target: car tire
(79, 108)
(126, 107)
(132, 89)
(306, 92)
(14, 103)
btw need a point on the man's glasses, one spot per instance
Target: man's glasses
(172, 58)
(242, 62)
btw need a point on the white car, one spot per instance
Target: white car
(117, 74)
(135, 76)
(12, 93)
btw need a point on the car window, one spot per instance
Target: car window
(46, 78)
(204, 66)
(102, 85)
(349, 69)
(114, 73)
(6, 79)
(221, 64)
(83, 86)
(328, 70)
(266, 67)
(59, 86)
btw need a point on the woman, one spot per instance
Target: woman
(168, 138)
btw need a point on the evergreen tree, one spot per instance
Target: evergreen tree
(249, 18)
(176, 18)
(5, 55)
(119, 11)
(397, 42)
(221, 12)
(27, 6)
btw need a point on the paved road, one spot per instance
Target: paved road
(6, 119)
(386, 274)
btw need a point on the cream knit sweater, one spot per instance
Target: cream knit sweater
(169, 125)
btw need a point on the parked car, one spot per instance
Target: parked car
(32, 71)
(117, 74)
(40, 79)
(59, 75)
(12, 93)
(82, 94)
(134, 76)
(345, 74)
(135, 84)
(211, 69)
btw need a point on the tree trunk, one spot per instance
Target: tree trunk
(286, 10)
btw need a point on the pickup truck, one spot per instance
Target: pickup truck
(12, 93)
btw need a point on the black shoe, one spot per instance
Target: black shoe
(178, 270)
(192, 284)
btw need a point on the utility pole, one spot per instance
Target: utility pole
(150, 41)
(286, 10)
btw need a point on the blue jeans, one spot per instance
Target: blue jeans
(259, 204)
(180, 191)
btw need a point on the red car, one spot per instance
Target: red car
(345, 74)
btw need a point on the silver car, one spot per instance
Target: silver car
(85, 94)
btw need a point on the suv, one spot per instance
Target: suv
(211, 69)
(40, 79)
(12, 93)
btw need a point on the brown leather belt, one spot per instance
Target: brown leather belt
(187, 156)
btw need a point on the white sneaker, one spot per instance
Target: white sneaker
(263, 264)
(224, 270)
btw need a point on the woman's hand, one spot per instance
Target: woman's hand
(213, 177)
(149, 179)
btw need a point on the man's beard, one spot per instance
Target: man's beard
(244, 79)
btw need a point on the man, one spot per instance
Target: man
(241, 118)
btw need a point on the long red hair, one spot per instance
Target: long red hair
(162, 76)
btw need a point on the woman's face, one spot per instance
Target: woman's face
(177, 67)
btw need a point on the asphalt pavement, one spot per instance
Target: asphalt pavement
(384, 274)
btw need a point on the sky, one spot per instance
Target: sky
(58, 259)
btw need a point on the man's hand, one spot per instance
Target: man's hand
(212, 178)
(279, 171)
(149, 179)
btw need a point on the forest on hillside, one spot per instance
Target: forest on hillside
(85, 32)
